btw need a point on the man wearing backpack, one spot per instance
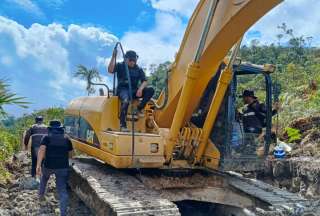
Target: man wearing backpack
(55, 150)
(254, 120)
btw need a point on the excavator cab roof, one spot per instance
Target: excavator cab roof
(248, 68)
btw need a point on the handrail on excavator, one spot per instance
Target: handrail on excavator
(102, 84)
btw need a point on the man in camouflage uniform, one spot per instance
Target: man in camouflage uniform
(36, 133)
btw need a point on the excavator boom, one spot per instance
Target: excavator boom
(232, 18)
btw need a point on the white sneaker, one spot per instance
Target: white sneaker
(124, 129)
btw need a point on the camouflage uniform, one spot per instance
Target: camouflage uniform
(36, 132)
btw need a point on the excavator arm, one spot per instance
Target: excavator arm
(213, 29)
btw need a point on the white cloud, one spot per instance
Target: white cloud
(160, 43)
(28, 6)
(182, 7)
(53, 3)
(301, 15)
(32, 6)
(40, 60)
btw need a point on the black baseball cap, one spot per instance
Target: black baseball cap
(39, 118)
(248, 93)
(131, 55)
(55, 124)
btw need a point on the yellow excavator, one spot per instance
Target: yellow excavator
(166, 137)
(191, 125)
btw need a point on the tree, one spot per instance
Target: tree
(158, 77)
(89, 75)
(7, 97)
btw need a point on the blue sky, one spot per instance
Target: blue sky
(91, 13)
(42, 41)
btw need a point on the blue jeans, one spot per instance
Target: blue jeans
(61, 184)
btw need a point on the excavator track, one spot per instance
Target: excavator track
(260, 190)
(280, 201)
(108, 191)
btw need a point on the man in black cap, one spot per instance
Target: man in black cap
(254, 113)
(55, 150)
(254, 120)
(35, 132)
(138, 83)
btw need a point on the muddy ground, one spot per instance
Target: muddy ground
(297, 175)
(300, 171)
(18, 196)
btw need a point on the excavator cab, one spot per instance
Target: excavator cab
(228, 133)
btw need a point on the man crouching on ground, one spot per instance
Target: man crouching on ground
(55, 150)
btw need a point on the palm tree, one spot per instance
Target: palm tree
(7, 97)
(89, 76)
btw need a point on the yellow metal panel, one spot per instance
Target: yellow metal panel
(101, 112)
(74, 106)
(113, 160)
(211, 157)
(120, 146)
(122, 143)
(151, 161)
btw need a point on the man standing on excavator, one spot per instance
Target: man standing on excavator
(138, 85)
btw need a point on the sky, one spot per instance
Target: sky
(43, 41)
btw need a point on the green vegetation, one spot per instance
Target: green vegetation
(298, 72)
(7, 97)
(8, 141)
(158, 77)
(8, 145)
(293, 134)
